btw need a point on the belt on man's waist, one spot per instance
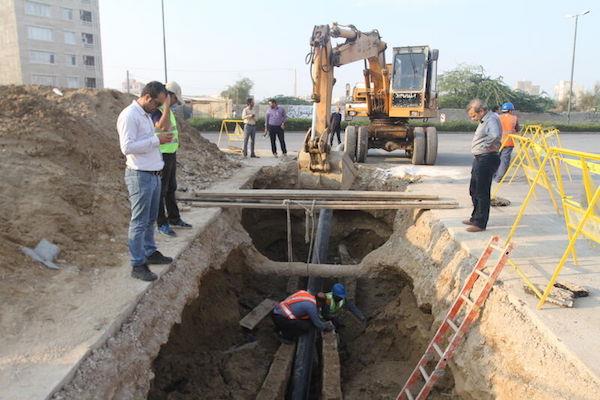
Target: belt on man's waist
(492, 153)
(157, 173)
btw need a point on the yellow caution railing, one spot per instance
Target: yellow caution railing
(232, 129)
(581, 214)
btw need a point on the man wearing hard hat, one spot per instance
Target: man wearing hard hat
(510, 125)
(336, 301)
(165, 121)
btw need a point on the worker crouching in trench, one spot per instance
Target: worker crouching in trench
(295, 315)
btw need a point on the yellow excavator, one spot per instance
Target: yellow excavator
(398, 92)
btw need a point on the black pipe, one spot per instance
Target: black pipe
(305, 350)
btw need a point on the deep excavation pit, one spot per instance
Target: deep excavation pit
(209, 356)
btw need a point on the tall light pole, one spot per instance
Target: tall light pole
(162, 4)
(576, 16)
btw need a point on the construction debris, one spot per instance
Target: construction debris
(44, 253)
(257, 314)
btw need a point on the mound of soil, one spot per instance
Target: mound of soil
(63, 171)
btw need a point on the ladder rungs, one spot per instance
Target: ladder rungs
(438, 350)
(408, 394)
(467, 300)
(424, 373)
(495, 247)
(481, 273)
(452, 325)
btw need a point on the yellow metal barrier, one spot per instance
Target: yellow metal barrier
(235, 135)
(582, 218)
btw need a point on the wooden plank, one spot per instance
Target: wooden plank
(311, 194)
(257, 314)
(332, 384)
(274, 385)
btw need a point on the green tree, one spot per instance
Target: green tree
(458, 86)
(290, 100)
(239, 91)
(589, 100)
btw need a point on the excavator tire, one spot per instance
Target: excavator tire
(362, 144)
(431, 138)
(350, 142)
(419, 145)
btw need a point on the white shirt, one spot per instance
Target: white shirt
(138, 141)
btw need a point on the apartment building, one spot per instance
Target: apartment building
(50, 42)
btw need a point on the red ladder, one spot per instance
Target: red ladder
(452, 331)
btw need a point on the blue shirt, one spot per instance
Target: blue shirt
(487, 138)
(302, 309)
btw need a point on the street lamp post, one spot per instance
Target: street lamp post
(162, 4)
(576, 16)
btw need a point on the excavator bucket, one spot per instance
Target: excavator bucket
(321, 168)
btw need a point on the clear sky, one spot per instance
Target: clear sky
(212, 43)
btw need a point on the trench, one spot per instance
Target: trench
(208, 355)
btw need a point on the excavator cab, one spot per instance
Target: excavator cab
(413, 89)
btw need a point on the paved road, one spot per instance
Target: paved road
(453, 147)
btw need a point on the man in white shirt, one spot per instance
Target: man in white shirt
(140, 145)
(249, 117)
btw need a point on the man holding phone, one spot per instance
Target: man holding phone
(141, 147)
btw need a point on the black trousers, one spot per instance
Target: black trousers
(167, 191)
(482, 173)
(277, 132)
(291, 328)
(336, 131)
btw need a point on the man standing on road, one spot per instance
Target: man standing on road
(510, 125)
(164, 121)
(335, 126)
(140, 145)
(275, 124)
(249, 117)
(485, 146)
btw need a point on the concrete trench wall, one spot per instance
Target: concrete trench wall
(122, 368)
(506, 355)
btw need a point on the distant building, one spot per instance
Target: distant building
(528, 87)
(135, 87)
(50, 42)
(561, 91)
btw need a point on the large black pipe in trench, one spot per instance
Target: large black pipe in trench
(305, 350)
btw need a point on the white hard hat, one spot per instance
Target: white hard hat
(174, 87)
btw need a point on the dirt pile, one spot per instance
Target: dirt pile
(63, 175)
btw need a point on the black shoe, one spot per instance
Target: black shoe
(143, 273)
(254, 156)
(284, 339)
(157, 258)
(180, 224)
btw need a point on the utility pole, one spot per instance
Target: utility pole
(295, 83)
(128, 87)
(576, 16)
(162, 3)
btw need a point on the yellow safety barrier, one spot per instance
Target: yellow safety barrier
(531, 146)
(235, 135)
(582, 217)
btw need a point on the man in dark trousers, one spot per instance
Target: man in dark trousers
(335, 126)
(485, 146)
(296, 314)
(275, 125)
(164, 121)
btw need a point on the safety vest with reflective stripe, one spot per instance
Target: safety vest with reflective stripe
(301, 295)
(509, 126)
(174, 144)
(334, 307)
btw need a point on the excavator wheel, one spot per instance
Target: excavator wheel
(432, 145)
(419, 146)
(350, 142)
(362, 144)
